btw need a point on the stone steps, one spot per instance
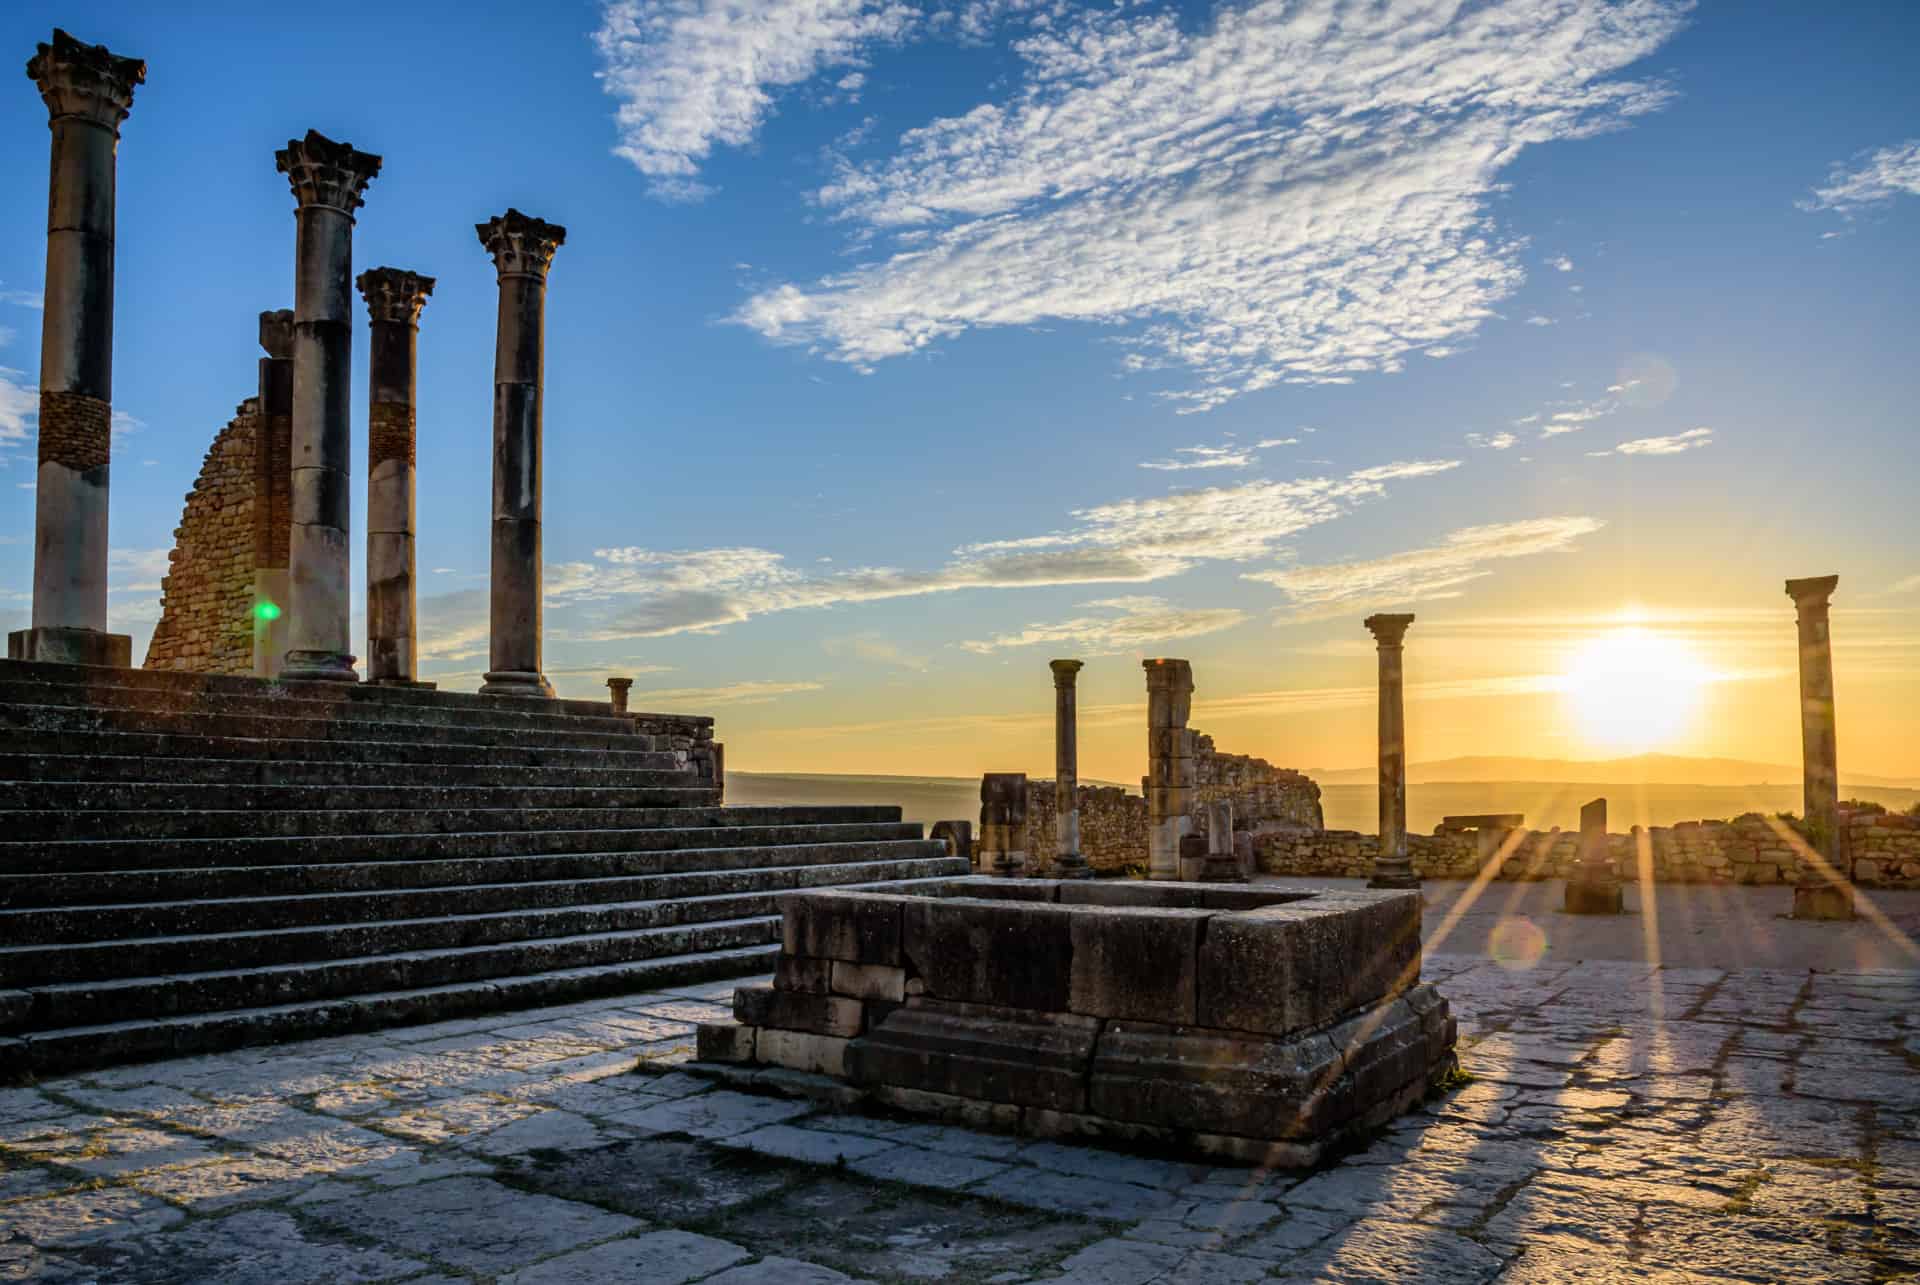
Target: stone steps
(44, 1052)
(192, 862)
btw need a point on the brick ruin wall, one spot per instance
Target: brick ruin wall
(1113, 823)
(206, 598)
(1883, 851)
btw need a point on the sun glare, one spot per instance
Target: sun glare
(1633, 690)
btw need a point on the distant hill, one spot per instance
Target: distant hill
(1650, 769)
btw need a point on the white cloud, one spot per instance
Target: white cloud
(1907, 585)
(747, 693)
(1267, 443)
(1434, 572)
(138, 569)
(1560, 263)
(1870, 179)
(1578, 417)
(1493, 441)
(1537, 320)
(640, 593)
(21, 298)
(1692, 439)
(1296, 191)
(19, 404)
(693, 74)
(1204, 457)
(1127, 624)
(874, 647)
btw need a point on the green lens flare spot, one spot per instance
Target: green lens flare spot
(267, 610)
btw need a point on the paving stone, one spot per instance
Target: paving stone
(922, 1168)
(663, 1179)
(719, 1114)
(1120, 1262)
(474, 1223)
(779, 1271)
(1070, 1193)
(259, 1247)
(87, 1216)
(1204, 1267)
(659, 1258)
(226, 1183)
(1380, 1250)
(812, 1146)
(20, 1261)
(545, 1131)
(1112, 1166)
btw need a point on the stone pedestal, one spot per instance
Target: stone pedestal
(1222, 864)
(522, 249)
(1068, 861)
(327, 179)
(617, 689)
(272, 493)
(1392, 868)
(394, 300)
(1003, 823)
(1825, 889)
(1594, 886)
(958, 836)
(1169, 780)
(88, 92)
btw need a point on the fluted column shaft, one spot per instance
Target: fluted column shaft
(1068, 861)
(522, 250)
(1392, 868)
(272, 494)
(394, 299)
(327, 179)
(88, 92)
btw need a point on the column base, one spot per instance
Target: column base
(53, 645)
(1399, 880)
(318, 667)
(1823, 901)
(1222, 868)
(517, 682)
(410, 684)
(1600, 896)
(1000, 869)
(1071, 865)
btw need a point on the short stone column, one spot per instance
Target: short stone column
(1068, 861)
(1222, 863)
(617, 689)
(1003, 823)
(957, 835)
(1821, 893)
(327, 179)
(1392, 868)
(394, 300)
(1594, 886)
(522, 250)
(88, 92)
(272, 493)
(1169, 781)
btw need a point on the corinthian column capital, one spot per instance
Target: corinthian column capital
(1388, 630)
(86, 81)
(521, 246)
(394, 294)
(325, 173)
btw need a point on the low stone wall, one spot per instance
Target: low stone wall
(1263, 796)
(1884, 852)
(206, 599)
(1113, 827)
(690, 735)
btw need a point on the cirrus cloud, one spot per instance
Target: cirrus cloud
(1871, 179)
(1126, 624)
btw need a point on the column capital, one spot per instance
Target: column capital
(1388, 630)
(1064, 671)
(276, 334)
(1812, 594)
(521, 245)
(325, 173)
(394, 294)
(1174, 674)
(85, 81)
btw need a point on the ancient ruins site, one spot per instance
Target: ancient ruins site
(319, 966)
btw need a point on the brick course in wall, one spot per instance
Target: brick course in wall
(75, 430)
(206, 599)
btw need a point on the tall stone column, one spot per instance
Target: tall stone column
(1169, 783)
(327, 180)
(1392, 868)
(522, 250)
(1820, 894)
(394, 300)
(1068, 861)
(272, 493)
(88, 92)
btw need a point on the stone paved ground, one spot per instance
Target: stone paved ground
(1624, 1121)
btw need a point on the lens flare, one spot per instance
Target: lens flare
(266, 610)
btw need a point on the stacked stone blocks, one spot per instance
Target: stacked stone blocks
(206, 599)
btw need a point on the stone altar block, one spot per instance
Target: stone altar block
(1250, 1024)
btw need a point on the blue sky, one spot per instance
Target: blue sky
(874, 321)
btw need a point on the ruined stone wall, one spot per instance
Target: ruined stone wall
(1884, 852)
(1113, 827)
(1263, 796)
(206, 599)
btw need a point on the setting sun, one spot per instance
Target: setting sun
(1634, 689)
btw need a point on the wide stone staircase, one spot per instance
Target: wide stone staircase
(190, 862)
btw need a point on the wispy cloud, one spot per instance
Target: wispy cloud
(1204, 457)
(1404, 469)
(1560, 263)
(1692, 439)
(1870, 179)
(138, 569)
(1296, 191)
(1125, 624)
(876, 648)
(1434, 572)
(1537, 320)
(18, 407)
(1907, 585)
(1491, 441)
(21, 298)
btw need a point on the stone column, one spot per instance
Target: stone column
(1392, 868)
(1594, 886)
(1222, 863)
(1169, 783)
(522, 250)
(1003, 823)
(328, 179)
(88, 92)
(1820, 894)
(617, 689)
(272, 493)
(394, 300)
(1068, 861)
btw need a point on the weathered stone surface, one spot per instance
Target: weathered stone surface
(725, 1042)
(1002, 1055)
(666, 1257)
(982, 952)
(1140, 964)
(869, 981)
(1290, 967)
(800, 973)
(858, 928)
(803, 1051)
(1190, 1078)
(765, 1006)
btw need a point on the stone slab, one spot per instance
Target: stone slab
(1011, 1056)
